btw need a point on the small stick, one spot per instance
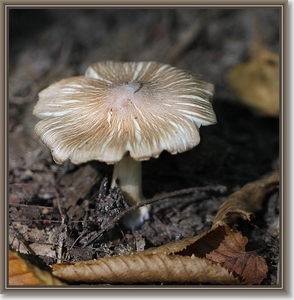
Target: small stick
(61, 238)
(152, 200)
(188, 37)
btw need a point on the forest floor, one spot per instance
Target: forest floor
(50, 202)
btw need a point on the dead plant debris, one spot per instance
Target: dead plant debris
(57, 213)
(187, 260)
(231, 255)
(24, 273)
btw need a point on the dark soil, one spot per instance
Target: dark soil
(54, 210)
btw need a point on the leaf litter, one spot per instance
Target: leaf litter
(216, 257)
(52, 212)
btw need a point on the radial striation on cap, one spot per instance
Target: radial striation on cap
(123, 108)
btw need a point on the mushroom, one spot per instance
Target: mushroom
(123, 113)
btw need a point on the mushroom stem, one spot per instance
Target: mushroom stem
(128, 172)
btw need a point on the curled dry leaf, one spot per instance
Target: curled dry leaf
(142, 268)
(216, 257)
(173, 262)
(231, 254)
(21, 272)
(257, 81)
(246, 201)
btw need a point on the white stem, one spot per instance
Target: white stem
(128, 172)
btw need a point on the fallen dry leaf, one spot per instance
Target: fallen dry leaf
(22, 272)
(257, 81)
(231, 254)
(173, 262)
(215, 257)
(246, 201)
(142, 268)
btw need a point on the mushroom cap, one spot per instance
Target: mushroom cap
(123, 108)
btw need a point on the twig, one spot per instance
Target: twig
(195, 190)
(21, 240)
(78, 238)
(188, 37)
(61, 239)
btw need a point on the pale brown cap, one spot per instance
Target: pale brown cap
(121, 108)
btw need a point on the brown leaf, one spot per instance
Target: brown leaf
(231, 254)
(246, 201)
(173, 262)
(257, 81)
(142, 268)
(185, 261)
(21, 272)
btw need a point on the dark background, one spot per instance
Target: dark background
(46, 45)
